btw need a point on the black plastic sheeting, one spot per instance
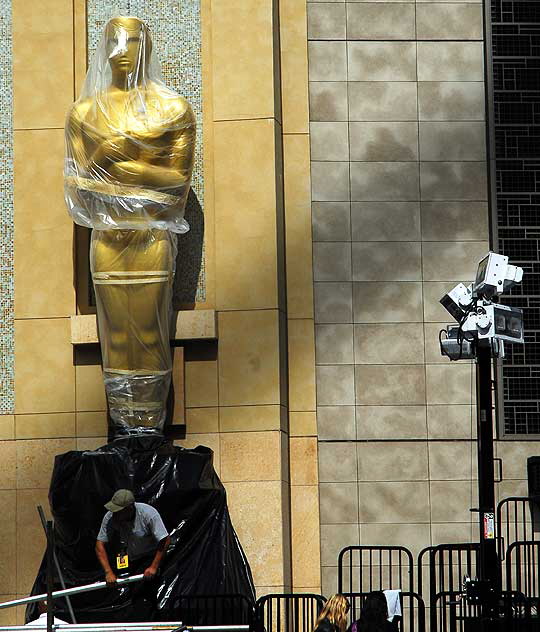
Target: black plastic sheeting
(204, 558)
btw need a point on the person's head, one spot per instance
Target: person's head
(335, 610)
(374, 612)
(128, 45)
(122, 505)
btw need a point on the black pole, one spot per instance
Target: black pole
(50, 562)
(489, 571)
(57, 564)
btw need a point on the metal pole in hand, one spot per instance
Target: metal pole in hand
(50, 549)
(57, 565)
(76, 590)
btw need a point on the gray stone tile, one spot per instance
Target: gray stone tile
(334, 344)
(450, 61)
(394, 502)
(391, 422)
(382, 101)
(332, 261)
(333, 302)
(327, 61)
(326, 21)
(337, 462)
(431, 1)
(392, 301)
(451, 501)
(338, 503)
(384, 181)
(456, 140)
(379, 142)
(381, 61)
(335, 385)
(449, 384)
(462, 221)
(385, 221)
(389, 343)
(392, 461)
(443, 261)
(331, 221)
(329, 574)
(336, 537)
(330, 181)
(378, 20)
(329, 141)
(328, 101)
(447, 421)
(449, 21)
(453, 181)
(417, 536)
(451, 100)
(442, 533)
(336, 422)
(390, 385)
(392, 261)
(451, 460)
(514, 455)
(504, 490)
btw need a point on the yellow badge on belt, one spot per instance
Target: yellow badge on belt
(122, 561)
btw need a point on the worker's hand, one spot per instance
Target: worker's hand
(150, 572)
(110, 578)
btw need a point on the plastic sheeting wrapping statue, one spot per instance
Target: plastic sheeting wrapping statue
(129, 157)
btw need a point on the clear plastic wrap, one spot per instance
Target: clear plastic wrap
(129, 139)
(130, 145)
(133, 272)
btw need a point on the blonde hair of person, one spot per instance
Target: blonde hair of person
(335, 610)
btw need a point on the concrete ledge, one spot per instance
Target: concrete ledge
(190, 325)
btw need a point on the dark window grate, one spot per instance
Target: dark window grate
(516, 120)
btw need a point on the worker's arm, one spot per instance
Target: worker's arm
(103, 558)
(151, 571)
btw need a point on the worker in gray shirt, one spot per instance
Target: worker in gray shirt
(134, 531)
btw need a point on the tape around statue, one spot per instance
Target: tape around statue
(204, 559)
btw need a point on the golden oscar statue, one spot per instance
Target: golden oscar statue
(129, 157)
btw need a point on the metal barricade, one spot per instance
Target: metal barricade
(517, 521)
(523, 569)
(215, 610)
(447, 564)
(293, 612)
(413, 610)
(455, 614)
(363, 569)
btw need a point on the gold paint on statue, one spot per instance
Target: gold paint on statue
(130, 151)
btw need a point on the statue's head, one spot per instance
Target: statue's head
(128, 45)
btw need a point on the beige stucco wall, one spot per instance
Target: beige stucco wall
(251, 396)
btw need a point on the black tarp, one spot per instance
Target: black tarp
(204, 558)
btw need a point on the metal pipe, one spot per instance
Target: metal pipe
(57, 564)
(135, 625)
(71, 591)
(125, 627)
(50, 580)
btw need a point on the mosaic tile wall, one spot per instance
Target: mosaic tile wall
(176, 34)
(6, 214)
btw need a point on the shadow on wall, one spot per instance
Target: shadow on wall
(190, 256)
